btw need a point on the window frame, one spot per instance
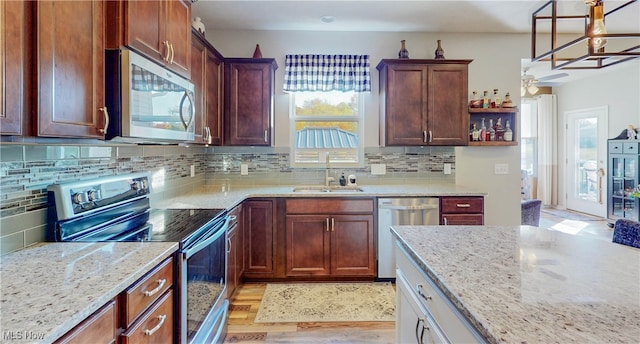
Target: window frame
(359, 119)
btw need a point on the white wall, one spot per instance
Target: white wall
(617, 87)
(496, 65)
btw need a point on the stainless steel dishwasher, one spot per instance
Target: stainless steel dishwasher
(401, 211)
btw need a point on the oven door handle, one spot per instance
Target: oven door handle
(204, 242)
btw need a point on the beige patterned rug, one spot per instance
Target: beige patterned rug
(327, 302)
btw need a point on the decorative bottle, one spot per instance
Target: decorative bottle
(403, 53)
(439, 52)
(257, 54)
(198, 25)
(475, 134)
(508, 133)
(486, 101)
(491, 131)
(496, 98)
(483, 130)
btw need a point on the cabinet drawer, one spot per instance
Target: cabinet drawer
(155, 325)
(100, 327)
(461, 205)
(454, 326)
(329, 206)
(462, 219)
(630, 148)
(142, 294)
(615, 147)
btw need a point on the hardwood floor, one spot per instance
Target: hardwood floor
(242, 328)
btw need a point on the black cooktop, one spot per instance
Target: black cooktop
(181, 225)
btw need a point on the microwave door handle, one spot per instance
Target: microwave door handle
(187, 95)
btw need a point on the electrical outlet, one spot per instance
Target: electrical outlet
(193, 170)
(378, 169)
(447, 169)
(244, 169)
(501, 169)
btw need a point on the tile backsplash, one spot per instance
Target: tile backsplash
(27, 169)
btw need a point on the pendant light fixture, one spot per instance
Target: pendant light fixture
(596, 37)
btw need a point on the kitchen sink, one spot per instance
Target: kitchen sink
(322, 188)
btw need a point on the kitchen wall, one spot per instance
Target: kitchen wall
(497, 60)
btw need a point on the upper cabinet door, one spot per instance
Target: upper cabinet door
(249, 101)
(406, 105)
(70, 60)
(448, 121)
(161, 30)
(13, 66)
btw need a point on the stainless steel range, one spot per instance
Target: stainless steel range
(117, 208)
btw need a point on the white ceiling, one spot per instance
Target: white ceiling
(478, 16)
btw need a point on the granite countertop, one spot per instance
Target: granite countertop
(49, 288)
(522, 284)
(213, 197)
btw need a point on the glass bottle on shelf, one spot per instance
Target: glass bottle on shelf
(486, 101)
(475, 133)
(496, 98)
(508, 133)
(483, 130)
(491, 132)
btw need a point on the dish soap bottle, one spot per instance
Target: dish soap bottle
(343, 180)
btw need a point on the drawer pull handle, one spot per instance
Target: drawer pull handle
(463, 205)
(161, 283)
(233, 218)
(421, 292)
(162, 318)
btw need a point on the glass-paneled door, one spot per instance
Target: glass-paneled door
(586, 147)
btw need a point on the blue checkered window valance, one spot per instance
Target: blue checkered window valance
(324, 73)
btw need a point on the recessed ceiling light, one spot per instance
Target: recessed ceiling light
(328, 19)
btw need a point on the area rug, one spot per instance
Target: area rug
(327, 302)
(570, 215)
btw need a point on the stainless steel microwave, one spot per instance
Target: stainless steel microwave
(145, 101)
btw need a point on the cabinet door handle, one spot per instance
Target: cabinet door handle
(162, 318)
(430, 136)
(420, 290)
(266, 137)
(161, 283)
(103, 131)
(444, 219)
(166, 57)
(463, 205)
(333, 224)
(327, 224)
(209, 139)
(172, 53)
(424, 136)
(420, 333)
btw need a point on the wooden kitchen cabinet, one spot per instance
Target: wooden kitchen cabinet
(70, 42)
(99, 327)
(462, 210)
(160, 30)
(206, 75)
(423, 102)
(14, 65)
(235, 263)
(258, 222)
(329, 237)
(248, 106)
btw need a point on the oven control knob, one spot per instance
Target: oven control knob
(80, 197)
(93, 195)
(136, 185)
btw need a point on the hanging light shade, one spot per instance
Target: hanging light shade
(596, 37)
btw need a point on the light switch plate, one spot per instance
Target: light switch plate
(378, 169)
(501, 169)
(244, 169)
(447, 169)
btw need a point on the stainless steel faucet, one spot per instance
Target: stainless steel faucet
(327, 179)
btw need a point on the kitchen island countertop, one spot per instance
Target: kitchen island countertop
(522, 284)
(48, 289)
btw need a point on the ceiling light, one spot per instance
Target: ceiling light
(595, 35)
(327, 19)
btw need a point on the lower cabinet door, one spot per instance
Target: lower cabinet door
(307, 245)
(155, 325)
(100, 327)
